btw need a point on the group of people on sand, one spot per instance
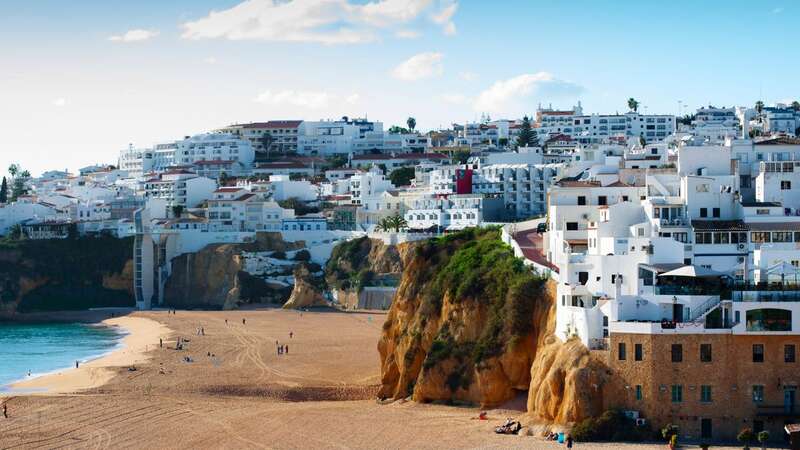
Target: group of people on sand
(283, 348)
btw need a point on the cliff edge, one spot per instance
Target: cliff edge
(470, 323)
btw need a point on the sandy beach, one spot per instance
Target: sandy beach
(239, 393)
(142, 335)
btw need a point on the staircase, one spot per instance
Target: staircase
(700, 313)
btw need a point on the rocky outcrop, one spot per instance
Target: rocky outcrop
(205, 279)
(307, 290)
(360, 260)
(214, 278)
(469, 323)
(64, 274)
(566, 383)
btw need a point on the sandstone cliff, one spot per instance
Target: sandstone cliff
(62, 274)
(308, 291)
(470, 323)
(214, 278)
(356, 262)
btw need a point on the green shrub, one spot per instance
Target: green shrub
(611, 426)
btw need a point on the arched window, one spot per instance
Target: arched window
(769, 319)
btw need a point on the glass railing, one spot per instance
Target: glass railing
(687, 290)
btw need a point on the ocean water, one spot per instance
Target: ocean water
(45, 348)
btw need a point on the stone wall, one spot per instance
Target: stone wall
(731, 375)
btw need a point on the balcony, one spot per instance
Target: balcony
(766, 292)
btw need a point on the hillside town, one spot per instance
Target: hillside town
(672, 240)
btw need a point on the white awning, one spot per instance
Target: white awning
(691, 271)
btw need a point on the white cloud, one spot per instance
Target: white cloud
(407, 34)
(60, 102)
(468, 76)
(319, 21)
(456, 99)
(210, 60)
(445, 18)
(302, 99)
(513, 94)
(134, 36)
(418, 67)
(352, 99)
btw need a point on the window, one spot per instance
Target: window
(786, 185)
(624, 198)
(715, 212)
(572, 226)
(705, 352)
(760, 237)
(788, 353)
(758, 353)
(677, 393)
(677, 353)
(758, 393)
(768, 319)
(602, 200)
(621, 351)
(638, 392)
(703, 212)
(581, 200)
(705, 394)
(638, 352)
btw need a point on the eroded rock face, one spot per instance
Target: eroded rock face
(307, 291)
(214, 278)
(205, 279)
(458, 349)
(566, 383)
(431, 351)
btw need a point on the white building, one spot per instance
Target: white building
(597, 128)
(179, 188)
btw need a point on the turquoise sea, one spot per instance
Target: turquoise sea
(45, 348)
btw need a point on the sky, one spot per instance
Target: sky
(81, 80)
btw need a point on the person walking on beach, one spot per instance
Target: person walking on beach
(569, 441)
(5, 411)
(160, 343)
(286, 349)
(243, 321)
(290, 334)
(76, 364)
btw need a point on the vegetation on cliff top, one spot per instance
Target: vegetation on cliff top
(347, 267)
(474, 265)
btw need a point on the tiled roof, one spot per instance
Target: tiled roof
(782, 140)
(774, 226)
(274, 124)
(383, 157)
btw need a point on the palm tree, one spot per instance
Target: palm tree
(796, 105)
(13, 169)
(633, 105)
(412, 123)
(392, 223)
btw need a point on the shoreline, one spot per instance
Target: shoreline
(140, 336)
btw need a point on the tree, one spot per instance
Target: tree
(633, 105)
(18, 186)
(759, 109)
(745, 437)
(763, 437)
(402, 176)
(177, 211)
(223, 178)
(4, 191)
(796, 105)
(412, 123)
(398, 130)
(526, 136)
(395, 222)
(266, 141)
(13, 169)
(642, 141)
